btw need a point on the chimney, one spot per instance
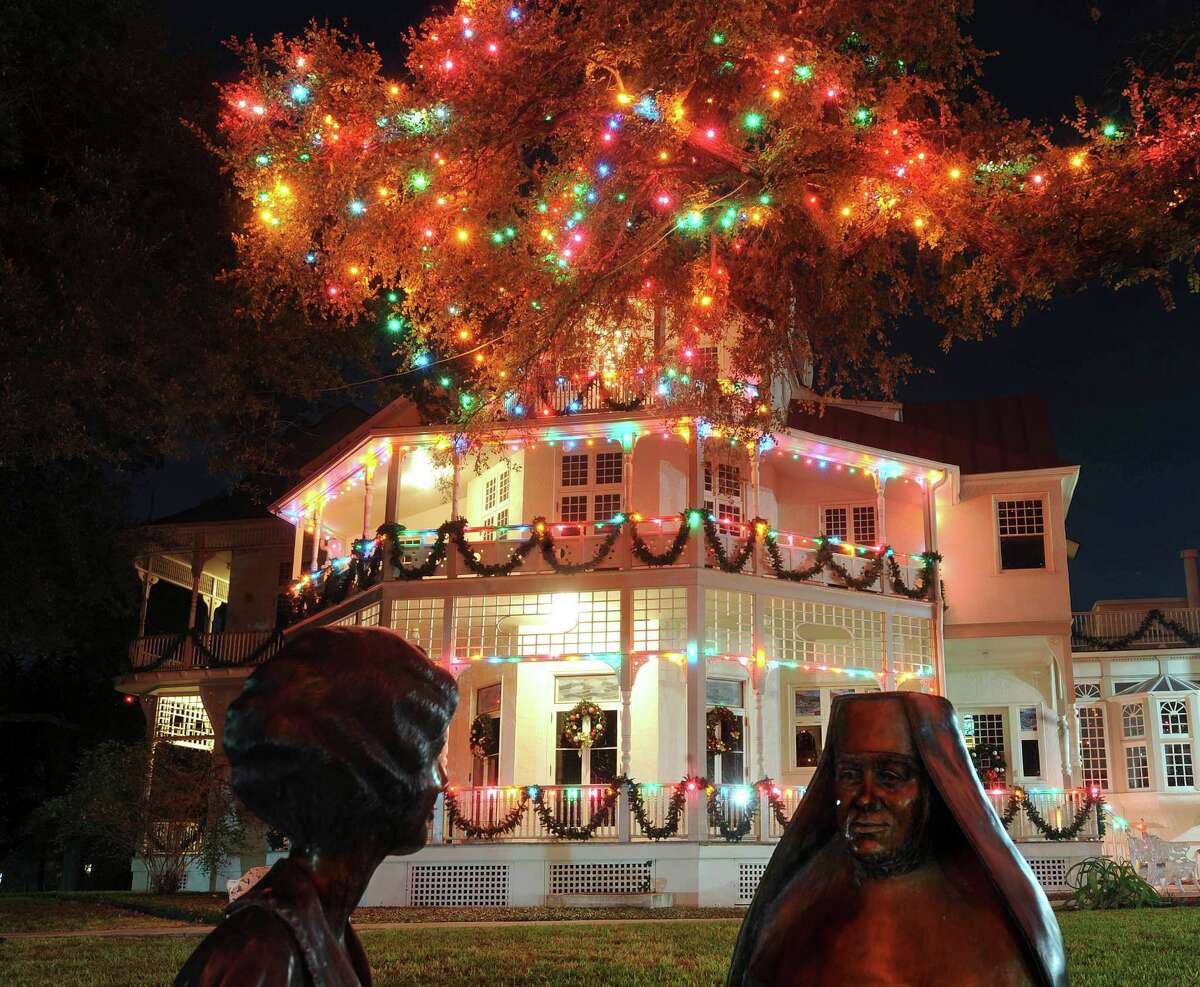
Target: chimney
(1191, 576)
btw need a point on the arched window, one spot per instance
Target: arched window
(1133, 719)
(1174, 716)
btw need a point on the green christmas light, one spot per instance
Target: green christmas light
(862, 116)
(1110, 130)
(718, 38)
(764, 199)
(420, 181)
(752, 121)
(497, 237)
(395, 324)
(393, 297)
(803, 72)
(444, 381)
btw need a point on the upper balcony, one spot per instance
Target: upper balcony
(1135, 629)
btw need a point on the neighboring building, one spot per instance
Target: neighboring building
(1137, 698)
(693, 671)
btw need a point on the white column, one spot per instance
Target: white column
(368, 476)
(318, 515)
(696, 498)
(147, 582)
(197, 573)
(935, 596)
(756, 507)
(392, 497)
(758, 679)
(298, 548)
(889, 677)
(697, 730)
(452, 558)
(880, 508)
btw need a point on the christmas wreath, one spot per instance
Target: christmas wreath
(573, 728)
(989, 764)
(721, 742)
(483, 742)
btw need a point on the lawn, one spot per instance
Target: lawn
(1105, 948)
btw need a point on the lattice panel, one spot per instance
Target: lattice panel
(181, 720)
(660, 619)
(728, 622)
(790, 631)
(463, 885)
(606, 878)
(419, 622)
(748, 877)
(537, 625)
(369, 616)
(912, 643)
(1051, 872)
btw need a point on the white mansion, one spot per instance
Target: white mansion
(648, 624)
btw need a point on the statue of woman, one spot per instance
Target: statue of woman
(334, 742)
(895, 869)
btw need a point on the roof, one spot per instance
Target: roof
(986, 435)
(1161, 683)
(234, 506)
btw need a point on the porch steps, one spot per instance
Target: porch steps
(647, 899)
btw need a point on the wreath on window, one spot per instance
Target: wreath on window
(989, 764)
(573, 728)
(483, 741)
(720, 741)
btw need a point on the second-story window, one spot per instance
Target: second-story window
(591, 486)
(1021, 525)
(727, 504)
(850, 522)
(1174, 715)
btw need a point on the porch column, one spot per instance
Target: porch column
(298, 547)
(452, 559)
(625, 675)
(198, 560)
(889, 676)
(391, 500)
(696, 699)
(625, 558)
(318, 515)
(368, 476)
(758, 679)
(696, 498)
(147, 582)
(756, 505)
(935, 596)
(880, 507)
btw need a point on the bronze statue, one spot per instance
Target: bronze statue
(335, 743)
(895, 869)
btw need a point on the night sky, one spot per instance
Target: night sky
(1118, 370)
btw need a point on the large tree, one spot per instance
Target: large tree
(546, 180)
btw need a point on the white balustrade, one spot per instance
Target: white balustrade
(1058, 809)
(229, 647)
(1107, 624)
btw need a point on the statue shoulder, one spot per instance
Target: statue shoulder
(251, 948)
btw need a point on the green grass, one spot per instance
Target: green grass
(51, 913)
(1121, 949)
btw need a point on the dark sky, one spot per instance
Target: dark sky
(1118, 371)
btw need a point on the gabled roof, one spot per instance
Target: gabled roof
(1160, 683)
(988, 435)
(234, 506)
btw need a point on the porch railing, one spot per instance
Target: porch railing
(738, 813)
(174, 652)
(1118, 630)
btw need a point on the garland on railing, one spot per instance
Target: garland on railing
(1152, 617)
(825, 557)
(742, 555)
(641, 549)
(717, 818)
(1020, 800)
(675, 806)
(542, 529)
(515, 559)
(479, 831)
(211, 658)
(437, 553)
(924, 588)
(601, 814)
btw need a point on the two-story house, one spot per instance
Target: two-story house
(624, 595)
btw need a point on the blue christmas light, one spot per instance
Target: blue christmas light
(299, 93)
(648, 108)
(357, 207)
(421, 360)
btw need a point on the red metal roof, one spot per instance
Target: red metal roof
(987, 435)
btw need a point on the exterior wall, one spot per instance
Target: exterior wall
(254, 585)
(978, 591)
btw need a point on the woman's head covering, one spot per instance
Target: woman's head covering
(939, 745)
(336, 738)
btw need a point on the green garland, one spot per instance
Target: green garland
(571, 569)
(642, 552)
(675, 806)
(1125, 640)
(476, 831)
(825, 557)
(721, 716)
(1019, 800)
(742, 556)
(716, 817)
(515, 560)
(924, 588)
(436, 556)
(601, 815)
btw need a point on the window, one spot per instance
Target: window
(1179, 765)
(575, 507)
(505, 479)
(728, 768)
(606, 506)
(1174, 716)
(1120, 687)
(1137, 767)
(1022, 529)
(573, 764)
(728, 506)
(851, 522)
(1133, 719)
(489, 493)
(707, 364)
(1093, 754)
(984, 732)
(486, 770)
(1031, 748)
(808, 727)
(575, 470)
(1087, 690)
(608, 467)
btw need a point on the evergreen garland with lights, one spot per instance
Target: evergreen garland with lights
(1152, 618)
(674, 552)
(738, 562)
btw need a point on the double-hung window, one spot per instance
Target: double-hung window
(591, 486)
(723, 495)
(1137, 754)
(853, 523)
(1021, 528)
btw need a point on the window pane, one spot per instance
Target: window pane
(1029, 719)
(1179, 765)
(1133, 718)
(808, 746)
(608, 467)
(606, 506)
(1092, 750)
(575, 470)
(604, 764)
(1020, 517)
(575, 508)
(1174, 716)
(733, 770)
(836, 523)
(487, 699)
(595, 688)
(1137, 767)
(1031, 758)
(723, 692)
(1023, 552)
(864, 525)
(568, 769)
(808, 702)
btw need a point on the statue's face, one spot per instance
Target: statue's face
(880, 786)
